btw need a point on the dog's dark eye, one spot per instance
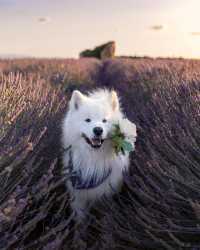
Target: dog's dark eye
(104, 120)
(88, 120)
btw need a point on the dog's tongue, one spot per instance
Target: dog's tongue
(96, 141)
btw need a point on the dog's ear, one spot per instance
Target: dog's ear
(114, 100)
(76, 100)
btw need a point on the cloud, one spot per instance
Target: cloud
(157, 27)
(195, 33)
(44, 19)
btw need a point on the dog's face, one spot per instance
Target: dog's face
(93, 117)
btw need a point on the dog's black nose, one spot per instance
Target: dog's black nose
(98, 131)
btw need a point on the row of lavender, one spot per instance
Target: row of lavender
(159, 207)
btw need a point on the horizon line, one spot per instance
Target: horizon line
(16, 56)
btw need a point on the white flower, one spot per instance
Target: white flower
(128, 129)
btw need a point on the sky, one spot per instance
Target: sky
(63, 28)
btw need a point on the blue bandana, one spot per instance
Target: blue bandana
(90, 181)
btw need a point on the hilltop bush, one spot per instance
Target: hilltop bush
(104, 51)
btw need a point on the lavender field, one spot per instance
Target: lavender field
(159, 206)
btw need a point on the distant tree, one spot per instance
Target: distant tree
(103, 51)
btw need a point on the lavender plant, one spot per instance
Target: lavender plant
(159, 206)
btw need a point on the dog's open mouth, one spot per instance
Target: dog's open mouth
(95, 142)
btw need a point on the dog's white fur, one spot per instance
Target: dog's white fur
(98, 105)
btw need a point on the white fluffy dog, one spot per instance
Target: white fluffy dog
(95, 168)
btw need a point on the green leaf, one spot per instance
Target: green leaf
(119, 142)
(127, 146)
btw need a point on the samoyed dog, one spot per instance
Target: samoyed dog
(90, 158)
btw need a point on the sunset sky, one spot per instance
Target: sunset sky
(63, 28)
